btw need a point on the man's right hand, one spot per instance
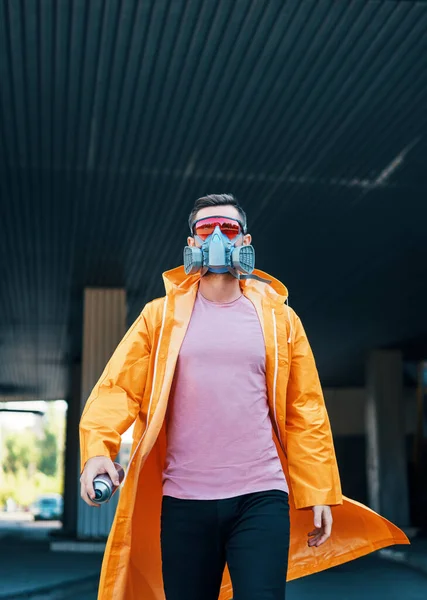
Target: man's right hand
(93, 467)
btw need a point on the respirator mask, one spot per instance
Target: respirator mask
(218, 253)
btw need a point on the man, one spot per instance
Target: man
(232, 438)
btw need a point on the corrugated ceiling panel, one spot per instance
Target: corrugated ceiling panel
(116, 114)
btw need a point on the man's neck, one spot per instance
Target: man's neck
(220, 287)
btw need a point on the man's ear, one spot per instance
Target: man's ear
(191, 241)
(247, 239)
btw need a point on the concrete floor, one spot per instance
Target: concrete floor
(26, 562)
(368, 578)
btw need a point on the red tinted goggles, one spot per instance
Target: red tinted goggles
(203, 228)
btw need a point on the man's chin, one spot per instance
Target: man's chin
(211, 274)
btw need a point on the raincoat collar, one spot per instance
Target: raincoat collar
(177, 282)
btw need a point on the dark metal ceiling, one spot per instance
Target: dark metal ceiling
(117, 114)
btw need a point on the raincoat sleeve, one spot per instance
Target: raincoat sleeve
(312, 463)
(115, 401)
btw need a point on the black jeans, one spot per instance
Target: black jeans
(249, 532)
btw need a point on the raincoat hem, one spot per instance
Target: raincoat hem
(299, 572)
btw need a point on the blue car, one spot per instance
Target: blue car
(48, 507)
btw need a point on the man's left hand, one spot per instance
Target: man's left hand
(322, 524)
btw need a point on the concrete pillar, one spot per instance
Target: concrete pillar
(385, 437)
(71, 464)
(104, 325)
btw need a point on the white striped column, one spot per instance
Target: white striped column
(104, 325)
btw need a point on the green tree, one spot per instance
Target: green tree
(48, 453)
(33, 464)
(18, 454)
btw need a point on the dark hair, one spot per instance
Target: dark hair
(217, 200)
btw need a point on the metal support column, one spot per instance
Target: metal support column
(104, 325)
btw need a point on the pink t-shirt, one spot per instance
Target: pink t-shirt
(219, 433)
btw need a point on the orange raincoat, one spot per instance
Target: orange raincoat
(135, 385)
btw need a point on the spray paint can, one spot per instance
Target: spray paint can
(104, 488)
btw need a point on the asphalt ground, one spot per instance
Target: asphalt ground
(27, 564)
